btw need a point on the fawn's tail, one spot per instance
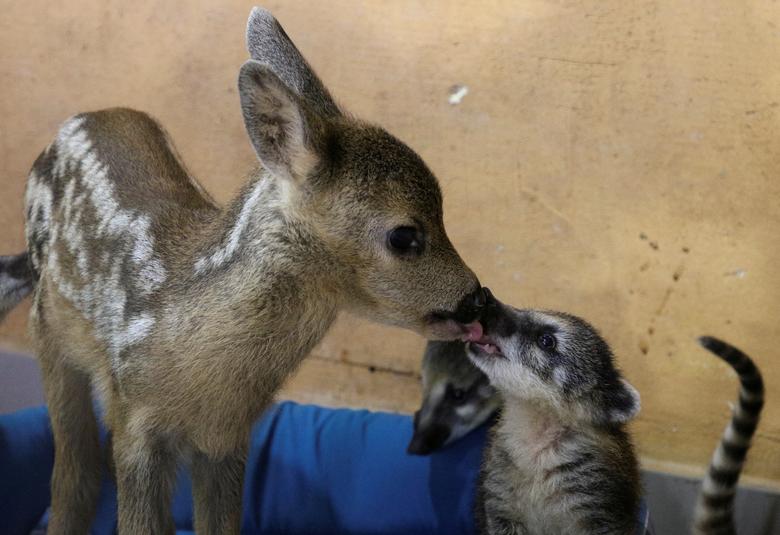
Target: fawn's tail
(16, 281)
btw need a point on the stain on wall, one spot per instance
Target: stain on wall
(614, 159)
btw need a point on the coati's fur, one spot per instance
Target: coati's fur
(714, 514)
(457, 397)
(560, 459)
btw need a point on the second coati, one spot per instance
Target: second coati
(457, 398)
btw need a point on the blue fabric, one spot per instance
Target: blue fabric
(26, 461)
(310, 470)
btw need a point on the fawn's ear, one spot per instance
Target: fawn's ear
(283, 131)
(622, 402)
(268, 43)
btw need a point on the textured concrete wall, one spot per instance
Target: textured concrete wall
(613, 159)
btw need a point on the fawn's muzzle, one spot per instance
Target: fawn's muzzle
(470, 307)
(464, 321)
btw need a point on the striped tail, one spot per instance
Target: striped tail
(714, 510)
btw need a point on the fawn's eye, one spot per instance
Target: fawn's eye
(405, 240)
(546, 341)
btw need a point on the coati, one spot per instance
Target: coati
(560, 460)
(457, 397)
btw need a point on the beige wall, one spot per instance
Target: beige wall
(614, 159)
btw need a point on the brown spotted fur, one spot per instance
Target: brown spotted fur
(185, 359)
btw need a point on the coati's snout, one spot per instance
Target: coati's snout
(427, 439)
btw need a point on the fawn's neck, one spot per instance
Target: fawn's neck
(259, 274)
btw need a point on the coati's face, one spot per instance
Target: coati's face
(457, 398)
(367, 197)
(554, 359)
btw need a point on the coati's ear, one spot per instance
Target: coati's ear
(284, 133)
(622, 403)
(268, 43)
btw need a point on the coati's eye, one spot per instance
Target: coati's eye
(546, 341)
(405, 240)
(458, 394)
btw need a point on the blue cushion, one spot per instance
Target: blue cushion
(311, 470)
(26, 461)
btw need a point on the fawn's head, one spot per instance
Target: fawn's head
(368, 197)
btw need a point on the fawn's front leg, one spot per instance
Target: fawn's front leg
(145, 469)
(217, 486)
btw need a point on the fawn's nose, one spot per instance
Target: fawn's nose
(470, 307)
(483, 297)
(480, 298)
(489, 299)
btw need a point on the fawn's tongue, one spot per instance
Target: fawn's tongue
(473, 332)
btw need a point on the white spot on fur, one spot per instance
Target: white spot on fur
(39, 199)
(73, 235)
(97, 289)
(437, 393)
(226, 252)
(466, 411)
(560, 376)
(431, 401)
(711, 487)
(733, 436)
(721, 460)
(750, 395)
(458, 430)
(457, 92)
